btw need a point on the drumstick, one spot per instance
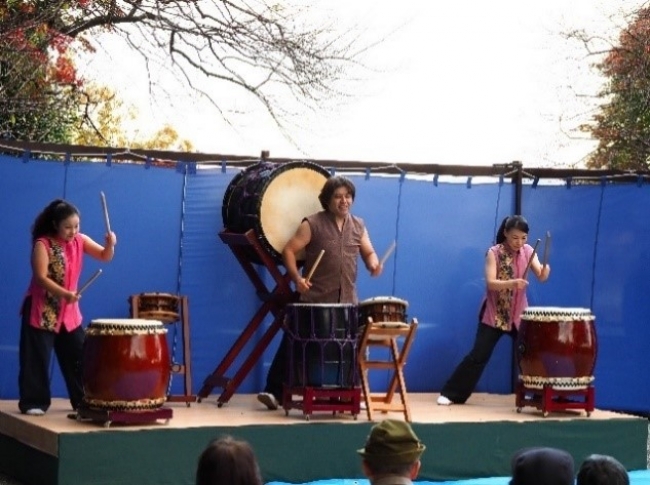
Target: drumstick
(532, 256)
(313, 268)
(105, 208)
(89, 282)
(387, 253)
(547, 244)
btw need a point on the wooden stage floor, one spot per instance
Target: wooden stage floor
(41, 432)
(483, 417)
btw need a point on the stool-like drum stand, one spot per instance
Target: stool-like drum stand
(169, 309)
(386, 335)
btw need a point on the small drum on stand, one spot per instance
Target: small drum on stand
(125, 371)
(382, 309)
(273, 199)
(556, 354)
(164, 307)
(322, 358)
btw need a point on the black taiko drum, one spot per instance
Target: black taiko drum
(323, 344)
(273, 199)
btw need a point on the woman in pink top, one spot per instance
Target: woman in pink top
(50, 311)
(505, 300)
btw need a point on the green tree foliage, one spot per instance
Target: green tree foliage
(38, 80)
(108, 116)
(622, 122)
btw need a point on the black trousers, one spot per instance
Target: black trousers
(35, 353)
(462, 382)
(276, 376)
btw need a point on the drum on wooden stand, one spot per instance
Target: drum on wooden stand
(382, 309)
(323, 344)
(164, 307)
(273, 199)
(556, 353)
(125, 365)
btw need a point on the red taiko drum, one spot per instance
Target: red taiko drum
(556, 347)
(382, 309)
(125, 364)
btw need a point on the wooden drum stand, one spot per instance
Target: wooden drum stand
(274, 301)
(165, 308)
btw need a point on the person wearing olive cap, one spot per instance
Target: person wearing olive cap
(392, 453)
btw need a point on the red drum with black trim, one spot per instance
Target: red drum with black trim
(557, 348)
(273, 198)
(125, 364)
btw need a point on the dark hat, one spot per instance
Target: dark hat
(392, 442)
(542, 466)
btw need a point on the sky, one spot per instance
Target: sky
(464, 83)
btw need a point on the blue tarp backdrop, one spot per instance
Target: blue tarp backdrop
(167, 221)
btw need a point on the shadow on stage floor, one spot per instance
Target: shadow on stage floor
(469, 441)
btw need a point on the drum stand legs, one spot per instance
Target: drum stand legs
(274, 303)
(549, 400)
(185, 369)
(385, 335)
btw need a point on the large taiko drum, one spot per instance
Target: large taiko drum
(382, 309)
(125, 364)
(164, 307)
(323, 344)
(557, 348)
(273, 199)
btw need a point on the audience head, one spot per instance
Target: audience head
(602, 470)
(392, 448)
(227, 461)
(542, 466)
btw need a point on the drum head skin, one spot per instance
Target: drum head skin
(289, 198)
(273, 199)
(383, 300)
(125, 326)
(552, 314)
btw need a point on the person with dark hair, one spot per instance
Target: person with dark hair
(503, 304)
(392, 453)
(542, 466)
(227, 461)
(51, 318)
(602, 470)
(343, 237)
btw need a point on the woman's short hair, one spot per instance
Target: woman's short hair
(602, 470)
(331, 185)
